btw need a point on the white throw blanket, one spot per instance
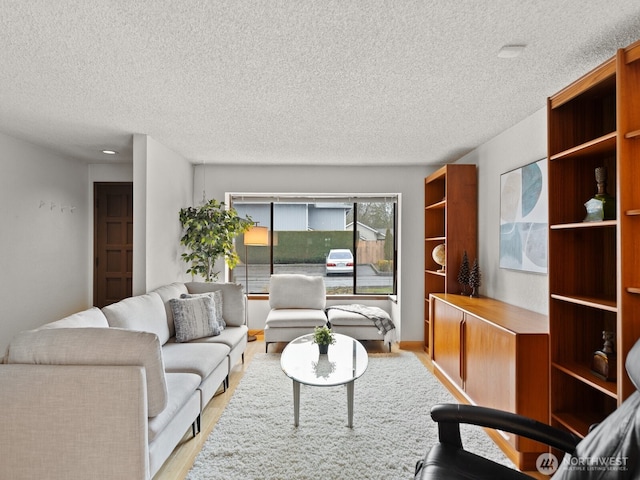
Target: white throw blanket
(378, 316)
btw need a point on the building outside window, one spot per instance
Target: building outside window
(347, 239)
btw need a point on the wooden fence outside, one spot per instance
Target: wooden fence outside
(370, 251)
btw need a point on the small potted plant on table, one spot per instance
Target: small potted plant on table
(324, 337)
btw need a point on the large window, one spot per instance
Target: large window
(347, 239)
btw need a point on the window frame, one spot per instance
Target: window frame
(272, 199)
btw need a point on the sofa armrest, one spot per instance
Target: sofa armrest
(70, 421)
(96, 346)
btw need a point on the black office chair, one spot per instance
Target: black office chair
(611, 450)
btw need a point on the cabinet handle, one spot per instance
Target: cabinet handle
(462, 369)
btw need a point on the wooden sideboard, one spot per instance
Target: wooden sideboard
(494, 354)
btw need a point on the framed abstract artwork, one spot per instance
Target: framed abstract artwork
(524, 218)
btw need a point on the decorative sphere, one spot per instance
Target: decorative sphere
(438, 254)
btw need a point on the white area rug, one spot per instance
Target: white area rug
(255, 437)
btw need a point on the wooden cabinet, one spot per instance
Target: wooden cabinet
(450, 218)
(594, 267)
(447, 340)
(489, 364)
(493, 354)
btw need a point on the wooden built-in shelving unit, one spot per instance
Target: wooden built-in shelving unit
(594, 267)
(450, 217)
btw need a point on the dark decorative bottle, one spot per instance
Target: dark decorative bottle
(608, 202)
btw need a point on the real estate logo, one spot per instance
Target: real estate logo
(547, 463)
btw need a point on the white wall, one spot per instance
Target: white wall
(408, 181)
(520, 145)
(43, 250)
(50, 251)
(163, 184)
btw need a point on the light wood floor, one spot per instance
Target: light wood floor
(181, 460)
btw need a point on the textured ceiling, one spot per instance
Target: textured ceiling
(322, 82)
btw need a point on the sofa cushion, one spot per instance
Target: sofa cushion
(96, 346)
(233, 300)
(145, 313)
(232, 337)
(297, 291)
(198, 358)
(297, 317)
(180, 386)
(344, 317)
(217, 304)
(93, 317)
(194, 318)
(167, 292)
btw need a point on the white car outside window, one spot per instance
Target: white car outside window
(339, 261)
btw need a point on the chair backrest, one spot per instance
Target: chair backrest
(632, 364)
(297, 291)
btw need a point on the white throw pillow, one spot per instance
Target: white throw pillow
(217, 299)
(194, 318)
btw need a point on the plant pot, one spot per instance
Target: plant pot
(324, 349)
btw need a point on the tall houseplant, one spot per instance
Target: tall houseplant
(208, 233)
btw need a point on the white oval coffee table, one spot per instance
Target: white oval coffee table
(346, 361)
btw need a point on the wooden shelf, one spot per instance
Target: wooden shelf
(578, 424)
(593, 302)
(632, 135)
(592, 80)
(435, 272)
(566, 226)
(604, 144)
(438, 205)
(583, 373)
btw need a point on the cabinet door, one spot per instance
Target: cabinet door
(490, 364)
(447, 324)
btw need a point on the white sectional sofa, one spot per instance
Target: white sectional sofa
(108, 394)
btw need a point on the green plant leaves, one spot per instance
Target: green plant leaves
(208, 232)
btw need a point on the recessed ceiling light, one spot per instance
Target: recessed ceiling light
(511, 51)
(109, 152)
